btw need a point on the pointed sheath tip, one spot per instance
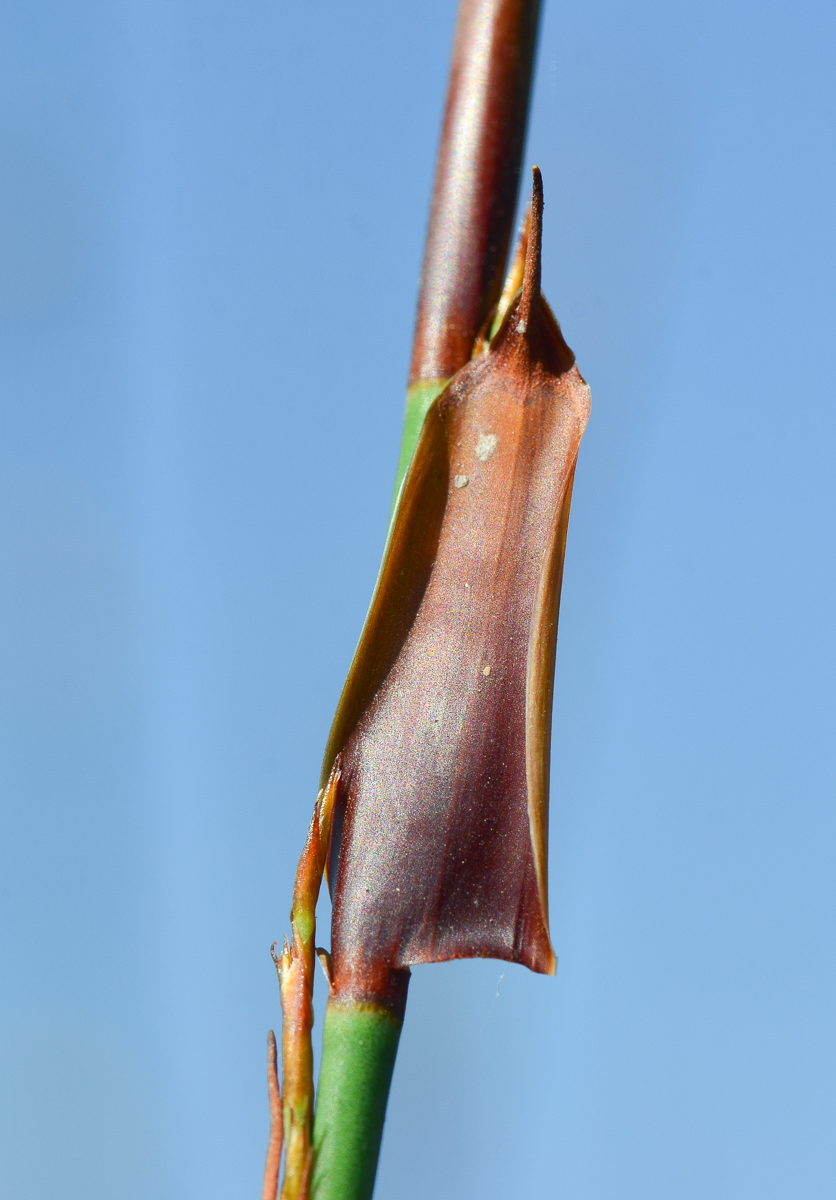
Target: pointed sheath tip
(531, 279)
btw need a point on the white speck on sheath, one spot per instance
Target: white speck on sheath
(486, 445)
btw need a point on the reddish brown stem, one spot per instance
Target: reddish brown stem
(476, 181)
(274, 1145)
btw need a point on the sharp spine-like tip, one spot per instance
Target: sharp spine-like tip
(531, 279)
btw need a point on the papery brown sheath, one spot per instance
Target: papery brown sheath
(443, 728)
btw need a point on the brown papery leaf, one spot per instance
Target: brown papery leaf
(444, 725)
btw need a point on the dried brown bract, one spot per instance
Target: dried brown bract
(443, 729)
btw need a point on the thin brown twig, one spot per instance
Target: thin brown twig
(274, 1144)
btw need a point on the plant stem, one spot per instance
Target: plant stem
(470, 227)
(274, 1145)
(474, 197)
(476, 181)
(359, 1044)
(419, 397)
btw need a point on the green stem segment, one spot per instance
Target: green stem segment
(419, 397)
(359, 1044)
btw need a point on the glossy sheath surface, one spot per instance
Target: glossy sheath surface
(443, 729)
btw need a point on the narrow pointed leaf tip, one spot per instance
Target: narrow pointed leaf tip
(442, 733)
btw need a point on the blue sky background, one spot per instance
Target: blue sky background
(211, 223)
